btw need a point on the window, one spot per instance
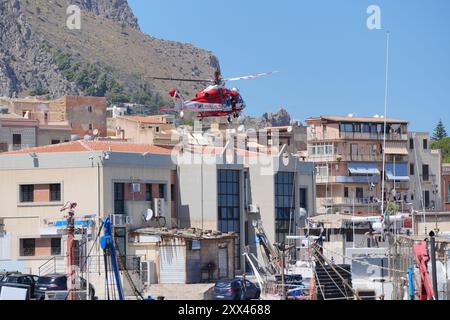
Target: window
(55, 192)
(425, 172)
(56, 141)
(17, 141)
(55, 246)
(322, 149)
(229, 207)
(322, 170)
(91, 126)
(284, 206)
(427, 199)
(345, 192)
(27, 193)
(162, 191)
(27, 247)
(411, 169)
(148, 193)
(354, 149)
(425, 144)
(304, 198)
(359, 193)
(89, 108)
(119, 198)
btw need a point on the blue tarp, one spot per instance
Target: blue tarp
(63, 223)
(363, 168)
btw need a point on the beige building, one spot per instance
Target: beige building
(154, 130)
(17, 133)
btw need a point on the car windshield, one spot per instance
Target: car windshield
(52, 280)
(10, 279)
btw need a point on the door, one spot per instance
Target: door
(223, 263)
(427, 199)
(172, 265)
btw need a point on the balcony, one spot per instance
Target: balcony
(347, 179)
(342, 201)
(357, 136)
(346, 158)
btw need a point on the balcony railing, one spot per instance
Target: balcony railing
(428, 178)
(347, 179)
(357, 136)
(341, 201)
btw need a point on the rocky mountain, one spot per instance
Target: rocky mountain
(109, 55)
(277, 119)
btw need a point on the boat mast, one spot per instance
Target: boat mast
(385, 126)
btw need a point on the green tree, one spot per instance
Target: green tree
(439, 132)
(444, 146)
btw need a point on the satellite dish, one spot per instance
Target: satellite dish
(96, 132)
(148, 215)
(241, 128)
(290, 129)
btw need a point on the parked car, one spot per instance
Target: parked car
(58, 282)
(20, 280)
(237, 289)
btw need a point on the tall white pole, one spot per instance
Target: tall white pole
(385, 125)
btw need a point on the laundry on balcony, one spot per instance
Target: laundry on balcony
(363, 169)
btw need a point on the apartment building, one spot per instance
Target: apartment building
(83, 115)
(17, 133)
(105, 179)
(154, 130)
(231, 190)
(425, 173)
(348, 156)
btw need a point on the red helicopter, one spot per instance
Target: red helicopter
(214, 101)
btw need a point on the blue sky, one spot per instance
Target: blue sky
(329, 62)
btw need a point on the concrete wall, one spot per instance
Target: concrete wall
(29, 136)
(419, 156)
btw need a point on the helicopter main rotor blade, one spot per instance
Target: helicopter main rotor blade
(251, 76)
(184, 80)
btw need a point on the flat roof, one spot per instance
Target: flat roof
(356, 119)
(83, 145)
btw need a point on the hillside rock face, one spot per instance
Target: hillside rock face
(278, 119)
(117, 10)
(23, 64)
(35, 43)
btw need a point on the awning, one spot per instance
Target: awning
(391, 177)
(397, 172)
(363, 168)
(396, 148)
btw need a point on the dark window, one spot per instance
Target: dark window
(304, 198)
(27, 193)
(56, 141)
(91, 127)
(56, 246)
(359, 193)
(425, 144)
(411, 169)
(229, 207)
(425, 172)
(412, 197)
(119, 198)
(345, 192)
(427, 199)
(148, 193)
(55, 192)
(284, 206)
(89, 108)
(162, 191)
(411, 144)
(27, 247)
(17, 139)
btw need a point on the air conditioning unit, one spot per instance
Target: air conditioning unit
(120, 220)
(159, 207)
(253, 209)
(136, 187)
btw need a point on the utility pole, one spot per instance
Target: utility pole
(433, 264)
(70, 266)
